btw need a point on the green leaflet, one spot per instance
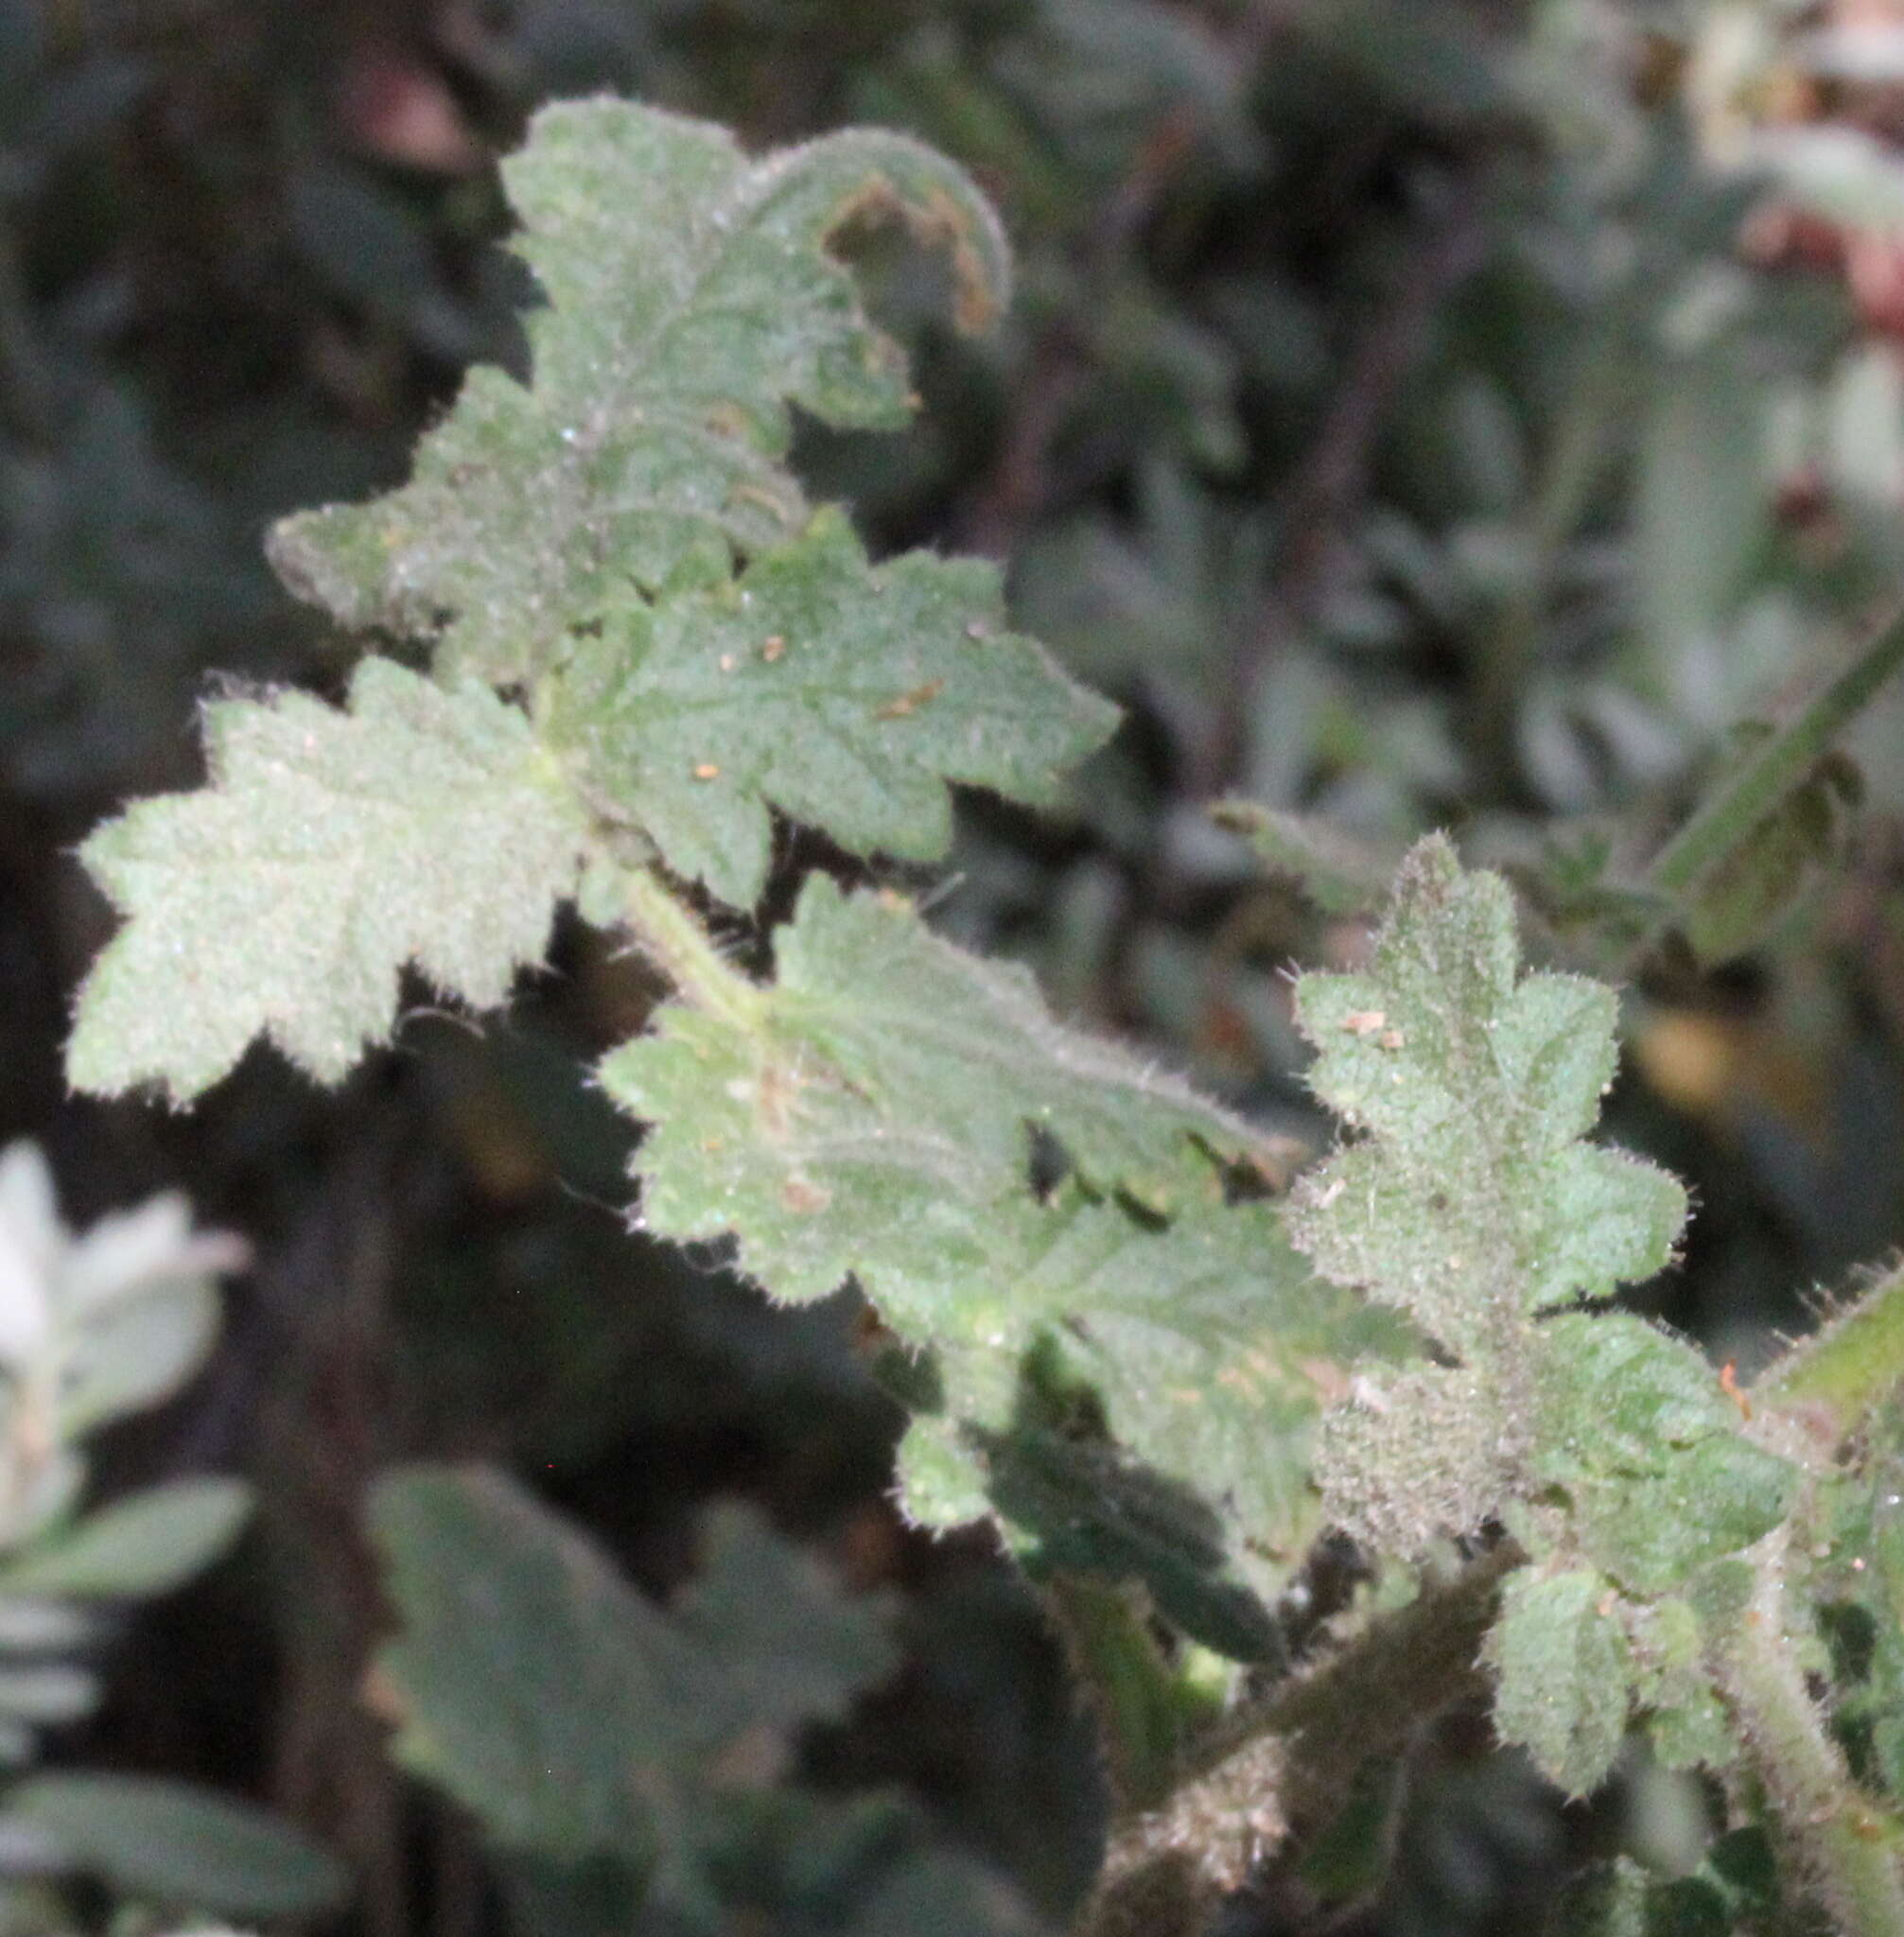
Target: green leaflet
(1473, 1203)
(692, 298)
(842, 693)
(1633, 1424)
(1562, 1664)
(329, 850)
(876, 1124)
(1160, 1425)
(573, 1717)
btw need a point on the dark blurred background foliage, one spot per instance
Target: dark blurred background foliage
(1415, 411)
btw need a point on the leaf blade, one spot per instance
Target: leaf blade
(330, 850)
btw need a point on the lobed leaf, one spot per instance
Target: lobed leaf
(693, 298)
(876, 1121)
(1472, 1196)
(570, 1715)
(329, 849)
(1471, 1201)
(1633, 1425)
(844, 694)
(1158, 1421)
(1565, 1670)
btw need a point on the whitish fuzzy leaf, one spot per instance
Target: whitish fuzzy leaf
(1472, 1196)
(92, 1326)
(844, 694)
(147, 1545)
(570, 1715)
(1565, 1672)
(1634, 1427)
(692, 298)
(330, 850)
(167, 1842)
(1473, 1202)
(1417, 1459)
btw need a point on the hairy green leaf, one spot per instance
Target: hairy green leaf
(1685, 1719)
(1633, 1425)
(1471, 1200)
(1421, 1457)
(1472, 1197)
(877, 1120)
(692, 298)
(842, 693)
(1160, 1425)
(330, 850)
(1565, 1672)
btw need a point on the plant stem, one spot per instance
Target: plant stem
(1732, 815)
(1140, 1708)
(1844, 1843)
(672, 937)
(1847, 1366)
(1284, 1763)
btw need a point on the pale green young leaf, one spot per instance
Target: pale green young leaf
(842, 693)
(570, 1715)
(1564, 1674)
(330, 850)
(693, 297)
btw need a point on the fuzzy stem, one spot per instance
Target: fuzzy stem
(1140, 1708)
(673, 938)
(1842, 1842)
(1284, 1763)
(1847, 1366)
(1732, 815)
